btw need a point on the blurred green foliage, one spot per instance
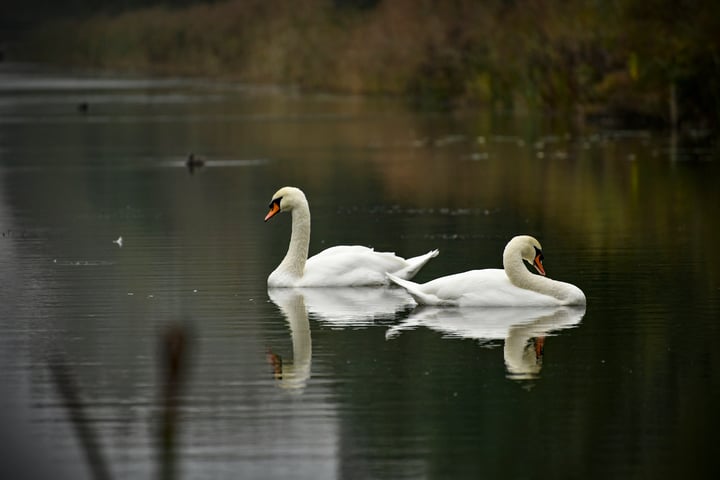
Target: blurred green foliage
(652, 59)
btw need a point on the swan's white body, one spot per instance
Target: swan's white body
(514, 286)
(341, 266)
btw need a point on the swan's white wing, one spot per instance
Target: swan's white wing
(476, 288)
(350, 266)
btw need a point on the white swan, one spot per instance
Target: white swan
(341, 266)
(514, 286)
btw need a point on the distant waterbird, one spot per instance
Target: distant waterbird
(194, 162)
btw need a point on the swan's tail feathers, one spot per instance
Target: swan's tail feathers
(414, 265)
(414, 290)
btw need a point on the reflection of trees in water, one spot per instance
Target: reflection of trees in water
(625, 57)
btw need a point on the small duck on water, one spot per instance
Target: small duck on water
(194, 162)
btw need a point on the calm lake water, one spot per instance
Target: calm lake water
(347, 383)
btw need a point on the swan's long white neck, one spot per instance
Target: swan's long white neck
(519, 275)
(297, 254)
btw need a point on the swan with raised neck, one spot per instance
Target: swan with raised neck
(293, 200)
(340, 266)
(514, 286)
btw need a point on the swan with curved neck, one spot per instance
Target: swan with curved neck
(514, 286)
(341, 266)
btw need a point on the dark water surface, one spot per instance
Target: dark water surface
(323, 384)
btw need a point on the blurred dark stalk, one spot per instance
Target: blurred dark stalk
(174, 346)
(67, 387)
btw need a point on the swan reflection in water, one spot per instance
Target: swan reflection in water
(522, 329)
(335, 307)
(292, 376)
(355, 307)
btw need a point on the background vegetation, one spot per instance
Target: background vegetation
(643, 59)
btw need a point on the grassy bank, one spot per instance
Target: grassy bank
(652, 58)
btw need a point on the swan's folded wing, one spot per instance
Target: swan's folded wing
(484, 288)
(350, 266)
(473, 282)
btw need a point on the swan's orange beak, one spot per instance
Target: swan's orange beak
(274, 209)
(538, 264)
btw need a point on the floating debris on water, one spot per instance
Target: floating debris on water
(118, 242)
(83, 263)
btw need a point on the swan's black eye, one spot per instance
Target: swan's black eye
(275, 202)
(538, 253)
